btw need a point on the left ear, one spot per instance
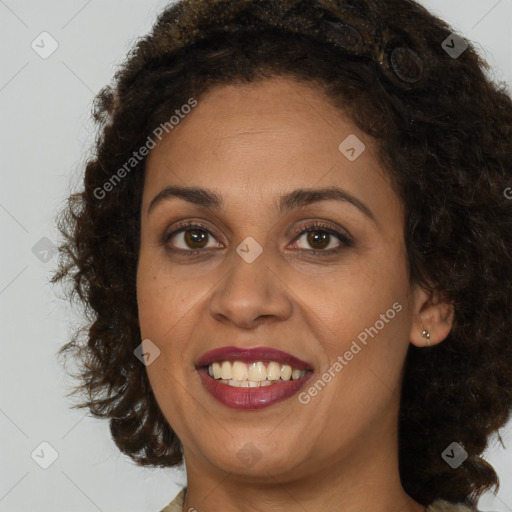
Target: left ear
(433, 312)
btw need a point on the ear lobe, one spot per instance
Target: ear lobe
(433, 313)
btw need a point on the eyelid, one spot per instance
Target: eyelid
(321, 225)
(344, 237)
(184, 226)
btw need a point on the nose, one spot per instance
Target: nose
(251, 293)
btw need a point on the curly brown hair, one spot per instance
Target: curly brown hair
(443, 128)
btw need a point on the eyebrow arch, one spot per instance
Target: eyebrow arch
(295, 199)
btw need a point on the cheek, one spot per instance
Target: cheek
(166, 304)
(155, 300)
(165, 309)
(361, 308)
(354, 295)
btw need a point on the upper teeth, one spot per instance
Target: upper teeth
(256, 372)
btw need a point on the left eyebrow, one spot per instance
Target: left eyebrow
(305, 196)
(289, 201)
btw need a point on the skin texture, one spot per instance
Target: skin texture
(251, 144)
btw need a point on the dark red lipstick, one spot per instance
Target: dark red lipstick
(256, 397)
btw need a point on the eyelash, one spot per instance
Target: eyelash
(304, 228)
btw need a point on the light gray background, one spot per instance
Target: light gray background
(46, 135)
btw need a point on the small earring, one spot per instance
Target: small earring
(426, 335)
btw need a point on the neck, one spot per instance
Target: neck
(364, 479)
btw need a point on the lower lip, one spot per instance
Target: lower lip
(251, 398)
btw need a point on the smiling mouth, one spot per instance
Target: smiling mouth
(257, 374)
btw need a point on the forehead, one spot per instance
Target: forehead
(254, 139)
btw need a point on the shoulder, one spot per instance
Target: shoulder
(176, 504)
(447, 506)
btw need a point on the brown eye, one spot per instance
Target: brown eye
(195, 236)
(319, 237)
(192, 238)
(188, 237)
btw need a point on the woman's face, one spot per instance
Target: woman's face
(347, 310)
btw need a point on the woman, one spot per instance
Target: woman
(296, 241)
